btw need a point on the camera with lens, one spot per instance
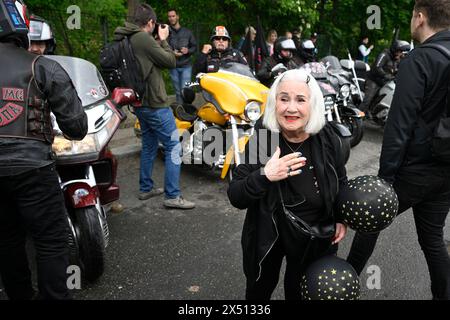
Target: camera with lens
(157, 26)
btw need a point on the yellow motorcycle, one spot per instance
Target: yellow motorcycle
(216, 133)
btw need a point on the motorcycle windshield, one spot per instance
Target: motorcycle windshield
(87, 80)
(316, 69)
(232, 88)
(238, 69)
(333, 63)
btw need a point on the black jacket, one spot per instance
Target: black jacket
(251, 190)
(265, 74)
(215, 59)
(420, 92)
(19, 155)
(180, 38)
(384, 68)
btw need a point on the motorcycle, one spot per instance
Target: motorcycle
(380, 105)
(356, 72)
(337, 107)
(347, 98)
(216, 133)
(87, 169)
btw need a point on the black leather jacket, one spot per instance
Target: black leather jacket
(421, 90)
(265, 74)
(215, 59)
(180, 38)
(384, 68)
(20, 155)
(251, 190)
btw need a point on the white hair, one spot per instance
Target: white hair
(317, 106)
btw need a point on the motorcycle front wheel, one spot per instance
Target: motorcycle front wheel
(355, 125)
(91, 241)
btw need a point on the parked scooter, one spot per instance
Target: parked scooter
(87, 169)
(335, 110)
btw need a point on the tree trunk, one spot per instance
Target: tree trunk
(132, 4)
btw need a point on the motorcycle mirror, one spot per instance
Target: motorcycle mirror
(124, 96)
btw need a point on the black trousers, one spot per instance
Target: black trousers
(370, 91)
(32, 203)
(299, 251)
(430, 202)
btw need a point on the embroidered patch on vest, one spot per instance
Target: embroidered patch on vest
(13, 94)
(9, 113)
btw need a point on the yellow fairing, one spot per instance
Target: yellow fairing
(209, 113)
(230, 155)
(182, 125)
(233, 91)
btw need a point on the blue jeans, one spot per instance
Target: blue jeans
(158, 124)
(179, 78)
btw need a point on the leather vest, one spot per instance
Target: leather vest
(24, 111)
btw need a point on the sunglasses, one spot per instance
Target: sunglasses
(221, 38)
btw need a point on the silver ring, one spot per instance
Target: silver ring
(289, 171)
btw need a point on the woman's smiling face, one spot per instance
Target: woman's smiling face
(293, 105)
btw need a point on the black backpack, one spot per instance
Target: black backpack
(440, 132)
(120, 67)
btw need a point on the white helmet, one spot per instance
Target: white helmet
(40, 31)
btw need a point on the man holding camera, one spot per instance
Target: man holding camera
(148, 40)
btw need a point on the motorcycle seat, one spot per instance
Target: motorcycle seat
(185, 111)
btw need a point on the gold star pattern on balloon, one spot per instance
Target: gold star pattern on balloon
(360, 214)
(344, 286)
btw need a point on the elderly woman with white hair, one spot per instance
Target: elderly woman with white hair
(290, 197)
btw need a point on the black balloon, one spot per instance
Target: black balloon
(330, 278)
(367, 204)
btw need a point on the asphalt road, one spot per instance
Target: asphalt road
(156, 253)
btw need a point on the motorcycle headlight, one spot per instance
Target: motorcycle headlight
(102, 122)
(353, 89)
(253, 111)
(345, 91)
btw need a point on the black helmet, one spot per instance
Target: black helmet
(330, 278)
(41, 31)
(283, 43)
(308, 51)
(400, 45)
(14, 22)
(367, 204)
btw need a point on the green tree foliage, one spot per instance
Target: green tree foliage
(340, 23)
(97, 21)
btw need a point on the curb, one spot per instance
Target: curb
(126, 151)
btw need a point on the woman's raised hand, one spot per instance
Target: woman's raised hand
(278, 168)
